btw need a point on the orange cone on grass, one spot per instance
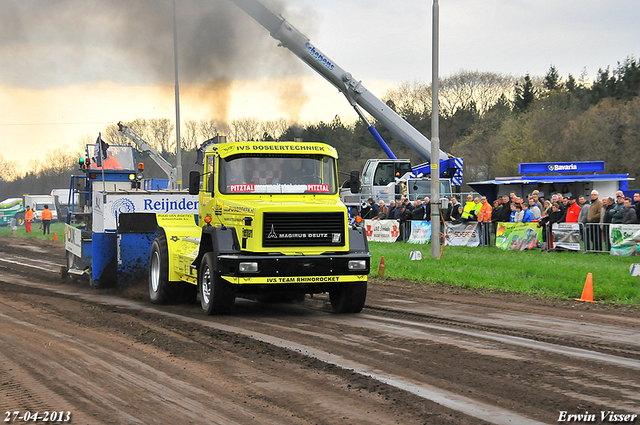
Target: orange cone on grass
(381, 267)
(55, 238)
(587, 292)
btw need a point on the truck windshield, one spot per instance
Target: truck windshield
(118, 158)
(277, 174)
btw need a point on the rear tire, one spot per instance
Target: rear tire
(161, 291)
(348, 297)
(217, 296)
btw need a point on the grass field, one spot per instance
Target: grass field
(36, 233)
(552, 274)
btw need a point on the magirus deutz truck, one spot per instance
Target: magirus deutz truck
(270, 223)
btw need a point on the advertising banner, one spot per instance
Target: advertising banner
(463, 234)
(381, 230)
(624, 239)
(518, 236)
(566, 236)
(107, 206)
(420, 232)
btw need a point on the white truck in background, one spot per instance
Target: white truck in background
(37, 203)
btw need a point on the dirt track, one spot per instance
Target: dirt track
(415, 355)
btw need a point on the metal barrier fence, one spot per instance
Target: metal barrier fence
(593, 237)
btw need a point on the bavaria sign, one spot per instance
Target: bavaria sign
(561, 167)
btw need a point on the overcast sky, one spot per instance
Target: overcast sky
(70, 67)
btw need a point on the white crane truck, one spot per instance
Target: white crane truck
(375, 183)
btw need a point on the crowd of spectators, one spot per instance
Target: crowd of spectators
(560, 208)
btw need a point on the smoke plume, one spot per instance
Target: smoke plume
(52, 43)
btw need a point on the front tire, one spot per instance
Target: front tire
(19, 219)
(161, 291)
(348, 297)
(216, 295)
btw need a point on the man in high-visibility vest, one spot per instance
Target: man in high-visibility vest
(484, 217)
(28, 219)
(468, 208)
(46, 217)
(485, 211)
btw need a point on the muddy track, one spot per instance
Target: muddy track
(417, 354)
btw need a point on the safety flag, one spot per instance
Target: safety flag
(100, 152)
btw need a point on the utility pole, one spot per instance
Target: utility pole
(435, 137)
(177, 95)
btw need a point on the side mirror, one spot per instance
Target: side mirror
(354, 181)
(194, 183)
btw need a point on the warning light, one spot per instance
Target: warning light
(358, 219)
(140, 166)
(207, 219)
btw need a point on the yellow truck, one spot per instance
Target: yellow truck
(270, 223)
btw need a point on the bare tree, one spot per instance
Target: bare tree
(161, 130)
(112, 135)
(8, 169)
(466, 88)
(209, 129)
(411, 98)
(242, 129)
(59, 160)
(189, 135)
(459, 91)
(274, 128)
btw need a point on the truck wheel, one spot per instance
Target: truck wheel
(216, 295)
(20, 219)
(161, 291)
(348, 297)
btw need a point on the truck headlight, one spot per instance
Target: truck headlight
(249, 267)
(357, 265)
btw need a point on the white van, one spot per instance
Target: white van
(37, 203)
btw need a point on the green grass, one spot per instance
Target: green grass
(36, 233)
(552, 274)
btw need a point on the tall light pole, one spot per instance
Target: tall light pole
(177, 96)
(435, 137)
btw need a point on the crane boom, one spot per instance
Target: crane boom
(144, 146)
(354, 91)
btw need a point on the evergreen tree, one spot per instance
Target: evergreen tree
(571, 84)
(524, 95)
(552, 79)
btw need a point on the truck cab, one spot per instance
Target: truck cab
(389, 179)
(271, 223)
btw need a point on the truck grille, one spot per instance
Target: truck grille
(303, 229)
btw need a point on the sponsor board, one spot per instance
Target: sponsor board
(381, 230)
(518, 236)
(108, 206)
(624, 239)
(463, 234)
(420, 232)
(566, 236)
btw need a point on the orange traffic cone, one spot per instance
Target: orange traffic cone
(587, 292)
(381, 267)
(55, 238)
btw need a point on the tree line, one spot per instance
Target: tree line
(491, 120)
